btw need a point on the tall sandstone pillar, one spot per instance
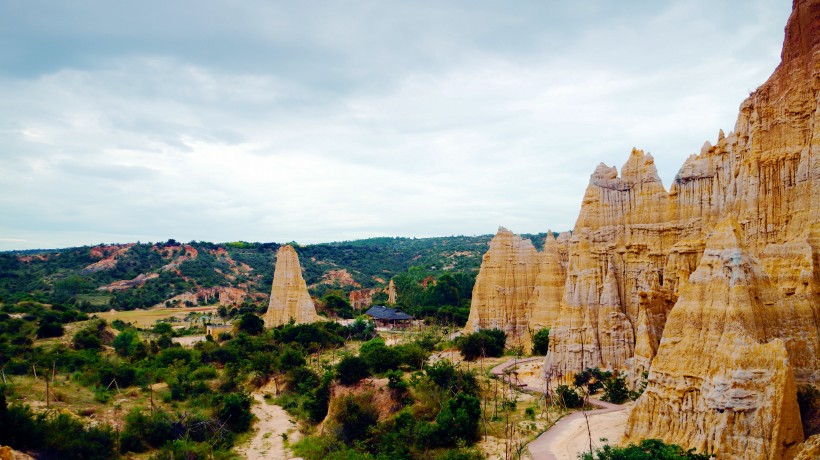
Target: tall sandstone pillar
(503, 288)
(722, 381)
(289, 297)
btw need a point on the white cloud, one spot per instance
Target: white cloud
(320, 129)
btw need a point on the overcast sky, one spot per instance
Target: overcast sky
(325, 121)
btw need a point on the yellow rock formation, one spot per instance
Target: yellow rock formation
(766, 174)
(289, 297)
(545, 300)
(503, 288)
(391, 292)
(722, 380)
(722, 369)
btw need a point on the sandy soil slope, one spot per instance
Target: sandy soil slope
(267, 441)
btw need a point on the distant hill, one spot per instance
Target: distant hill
(141, 275)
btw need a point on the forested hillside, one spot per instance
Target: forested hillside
(142, 275)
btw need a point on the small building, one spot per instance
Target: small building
(389, 317)
(215, 329)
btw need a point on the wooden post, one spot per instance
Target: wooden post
(35, 371)
(589, 432)
(48, 399)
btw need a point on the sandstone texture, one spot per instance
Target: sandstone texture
(545, 301)
(765, 174)
(503, 288)
(7, 453)
(710, 291)
(810, 450)
(289, 297)
(391, 292)
(744, 329)
(722, 380)
(361, 298)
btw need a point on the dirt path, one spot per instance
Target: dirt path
(267, 441)
(569, 436)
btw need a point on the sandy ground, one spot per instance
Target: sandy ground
(189, 340)
(267, 441)
(147, 318)
(569, 436)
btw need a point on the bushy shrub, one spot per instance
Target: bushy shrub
(88, 338)
(489, 343)
(458, 420)
(648, 449)
(302, 380)
(445, 375)
(351, 369)
(568, 397)
(234, 409)
(143, 431)
(317, 405)
(591, 379)
(56, 436)
(412, 355)
(354, 417)
(615, 390)
(541, 342)
(49, 329)
(128, 344)
(251, 324)
(290, 358)
(378, 356)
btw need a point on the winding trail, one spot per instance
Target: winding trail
(570, 435)
(267, 441)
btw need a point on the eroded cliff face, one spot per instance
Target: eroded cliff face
(722, 380)
(745, 327)
(545, 302)
(289, 297)
(765, 174)
(361, 298)
(617, 256)
(503, 287)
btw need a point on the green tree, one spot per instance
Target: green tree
(351, 369)
(459, 420)
(89, 337)
(338, 304)
(488, 342)
(541, 342)
(568, 397)
(128, 344)
(615, 390)
(251, 324)
(235, 410)
(354, 417)
(378, 356)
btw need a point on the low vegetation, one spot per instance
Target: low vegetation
(488, 343)
(648, 449)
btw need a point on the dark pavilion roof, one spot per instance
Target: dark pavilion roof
(382, 312)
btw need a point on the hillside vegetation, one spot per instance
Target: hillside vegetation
(143, 275)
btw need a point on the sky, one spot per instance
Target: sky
(337, 120)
